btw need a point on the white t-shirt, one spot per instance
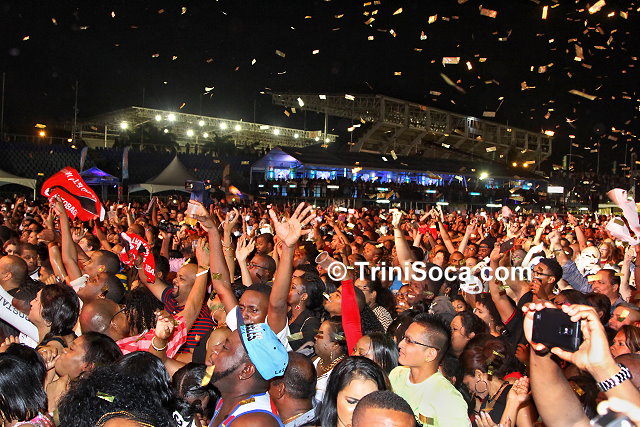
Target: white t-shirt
(283, 335)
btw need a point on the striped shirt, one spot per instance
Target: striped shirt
(202, 325)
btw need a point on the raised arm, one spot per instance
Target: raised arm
(218, 267)
(405, 255)
(289, 232)
(498, 295)
(446, 238)
(245, 247)
(69, 252)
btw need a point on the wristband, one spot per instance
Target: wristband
(156, 348)
(202, 273)
(622, 375)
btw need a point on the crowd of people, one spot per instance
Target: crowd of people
(176, 314)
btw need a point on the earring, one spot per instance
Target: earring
(297, 307)
(475, 387)
(331, 355)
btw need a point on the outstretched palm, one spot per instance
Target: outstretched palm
(290, 230)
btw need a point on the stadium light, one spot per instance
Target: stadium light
(201, 123)
(206, 135)
(296, 136)
(189, 132)
(42, 134)
(484, 175)
(171, 117)
(276, 131)
(223, 125)
(124, 125)
(237, 128)
(158, 117)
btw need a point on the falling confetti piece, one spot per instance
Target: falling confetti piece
(253, 61)
(25, 38)
(209, 61)
(160, 11)
(579, 55)
(450, 60)
(490, 149)
(113, 14)
(545, 9)
(434, 93)
(469, 66)
(393, 33)
(369, 21)
(281, 53)
(208, 373)
(423, 36)
(596, 7)
(208, 89)
(173, 58)
(488, 12)
(155, 55)
(582, 94)
(398, 12)
(433, 19)
(394, 156)
(452, 83)
(184, 10)
(315, 52)
(489, 114)
(397, 73)
(182, 106)
(370, 38)
(349, 97)
(287, 113)
(300, 102)
(322, 96)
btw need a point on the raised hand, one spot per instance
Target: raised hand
(7, 342)
(165, 325)
(289, 230)
(203, 217)
(244, 248)
(202, 252)
(520, 390)
(231, 220)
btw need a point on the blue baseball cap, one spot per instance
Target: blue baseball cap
(264, 348)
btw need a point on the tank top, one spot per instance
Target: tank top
(256, 403)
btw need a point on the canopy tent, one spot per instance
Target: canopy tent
(172, 178)
(95, 176)
(7, 178)
(98, 177)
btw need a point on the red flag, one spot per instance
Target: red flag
(138, 246)
(79, 200)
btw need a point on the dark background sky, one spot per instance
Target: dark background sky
(109, 48)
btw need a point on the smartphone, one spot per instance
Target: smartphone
(508, 245)
(554, 328)
(611, 419)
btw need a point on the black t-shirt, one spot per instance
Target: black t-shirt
(513, 330)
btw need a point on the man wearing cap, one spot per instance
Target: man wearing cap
(248, 359)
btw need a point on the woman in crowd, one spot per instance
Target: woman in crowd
(379, 299)
(350, 381)
(331, 347)
(304, 301)
(196, 401)
(23, 401)
(379, 348)
(486, 361)
(55, 312)
(626, 341)
(464, 327)
(487, 312)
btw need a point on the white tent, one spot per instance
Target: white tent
(7, 178)
(172, 178)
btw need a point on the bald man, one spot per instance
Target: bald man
(106, 317)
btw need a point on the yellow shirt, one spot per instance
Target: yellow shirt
(435, 401)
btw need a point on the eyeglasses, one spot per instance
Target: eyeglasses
(540, 273)
(411, 341)
(253, 264)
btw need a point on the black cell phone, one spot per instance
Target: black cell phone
(611, 419)
(554, 328)
(508, 245)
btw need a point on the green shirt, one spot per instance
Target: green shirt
(435, 401)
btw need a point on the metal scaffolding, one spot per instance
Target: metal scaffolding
(384, 124)
(194, 129)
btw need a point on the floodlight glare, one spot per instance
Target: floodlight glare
(189, 132)
(223, 125)
(201, 123)
(158, 117)
(171, 117)
(124, 125)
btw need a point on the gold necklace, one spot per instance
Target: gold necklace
(288, 420)
(331, 366)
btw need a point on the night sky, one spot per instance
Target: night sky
(173, 51)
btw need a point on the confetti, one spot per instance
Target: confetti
(183, 11)
(469, 66)
(491, 149)
(423, 36)
(55, 21)
(253, 61)
(369, 21)
(155, 55)
(394, 156)
(182, 106)
(349, 97)
(287, 113)
(397, 73)
(281, 53)
(596, 7)
(544, 12)
(489, 114)
(451, 83)
(398, 12)
(579, 54)
(582, 94)
(450, 60)
(208, 373)
(315, 52)
(434, 93)
(488, 12)
(209, 60)
(433, 19)
(25, 38)
(300, 102)
(113, 14)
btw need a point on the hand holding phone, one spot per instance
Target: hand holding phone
(554, 328)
